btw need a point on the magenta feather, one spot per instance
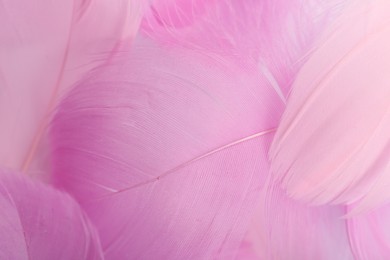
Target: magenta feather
(170, 140)
(167, 150)
(161, 135)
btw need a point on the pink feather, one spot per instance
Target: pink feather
(163, 141)
(40, 223)
(170, 139)
(339, 109)
(45, 47)
(295, 231)
(370, 234)
(167, 141)
(168, 149)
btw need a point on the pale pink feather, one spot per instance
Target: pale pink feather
(294, 230)
(333, 145)
(39, 223)
(45, 47)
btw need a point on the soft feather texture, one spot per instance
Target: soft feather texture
(40, 223)
(167, 142)
(143, 147)
(165, 145)
(45, 47)
(170, 140)
(276, 34)
(294, 230)
(332, 143)
(283, 228)
(370, 234)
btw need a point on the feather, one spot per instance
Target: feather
(339, 108)
(170, 139)
(166, 141)
(276, 34)
(175, 14)
(296, 231)
(282, 228)
(168, 148)
(45, 47)
(370, 234)
(40, 223)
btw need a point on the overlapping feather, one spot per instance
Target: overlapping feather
(332, 144)
(164, 143)
(370, 234)
(45, 47)
(38, 222)
(170, 140)
(168, 149)
(339, 108)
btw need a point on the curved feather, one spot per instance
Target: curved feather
(272, 33)
(169, 140)
(176, 14)
(370, 234)
(168, 149)
(297, 231)
(45, 47)
(332, 143)
(282, 228)
(40, 223)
